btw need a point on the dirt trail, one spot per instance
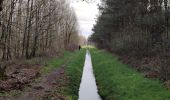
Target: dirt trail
(47, 85)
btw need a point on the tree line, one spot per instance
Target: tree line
(135, 28)
(32, 28)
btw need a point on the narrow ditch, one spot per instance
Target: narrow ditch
(88, 88)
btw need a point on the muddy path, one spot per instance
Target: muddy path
(46, 87)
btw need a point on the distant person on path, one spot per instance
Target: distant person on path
(79, 47)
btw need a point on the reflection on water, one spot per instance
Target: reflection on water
(88, 89)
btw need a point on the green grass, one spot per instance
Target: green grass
(74, 62)
(53, 64)
(74, 70)
(117, 81)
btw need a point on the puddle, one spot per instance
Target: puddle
(88, 89)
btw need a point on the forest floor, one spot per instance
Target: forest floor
(119, 81)
(46, 87)
(50, 79)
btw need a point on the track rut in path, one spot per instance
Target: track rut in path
(45, 87)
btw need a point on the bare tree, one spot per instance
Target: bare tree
(36, 27)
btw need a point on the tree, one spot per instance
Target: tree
(139, 17)
(36, 27)
(134, 28)
(1, 1)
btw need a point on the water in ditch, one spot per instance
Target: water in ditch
(88, 89)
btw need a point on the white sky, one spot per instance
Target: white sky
(86, 14)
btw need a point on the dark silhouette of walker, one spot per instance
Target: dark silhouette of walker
(79, 47)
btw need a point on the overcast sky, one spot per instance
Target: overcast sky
(86, 14)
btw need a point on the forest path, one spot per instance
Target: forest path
(45, 88)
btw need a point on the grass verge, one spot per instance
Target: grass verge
(74, 70)
(54, 63)
(117, 81)
(70, 82)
